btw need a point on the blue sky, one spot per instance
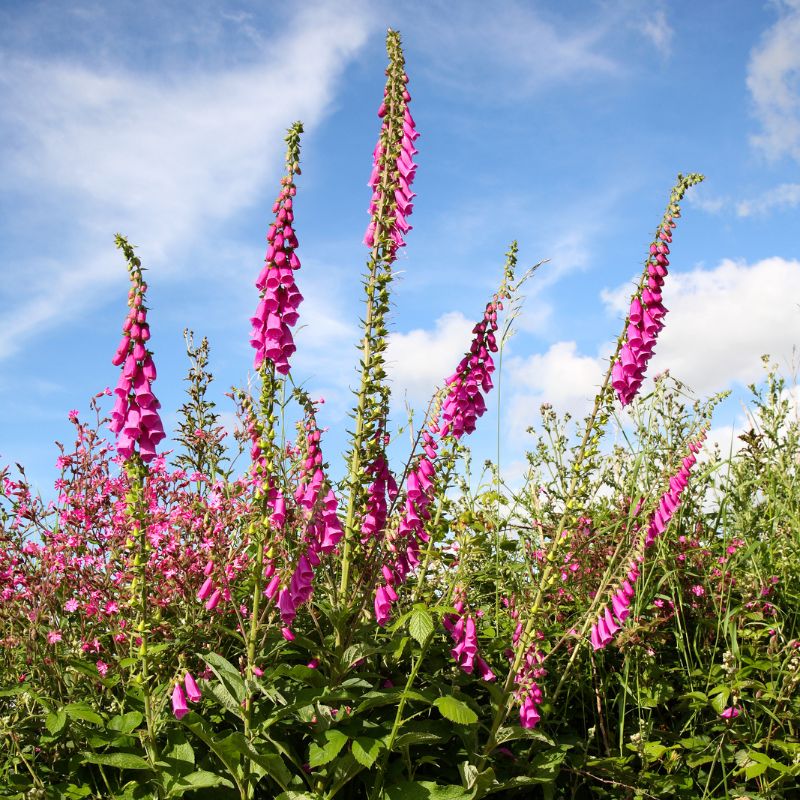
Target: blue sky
(562, 125)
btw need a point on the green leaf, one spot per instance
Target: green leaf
(332, 741)
(455, 710)
(118, 760)
(83, 712)
(228, 676)
(125, 723)
(420, 625)
(426, 790)
(366, 750)
(202, 779)
(56, 721)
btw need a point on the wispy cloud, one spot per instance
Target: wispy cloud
(787, 195)
(160, 157)
(772, 79)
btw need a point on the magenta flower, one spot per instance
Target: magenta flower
(393, 167)
(134, 417)
(646, 315)
(179, 707)
(276, 314)
(730, 713)
(192, 690)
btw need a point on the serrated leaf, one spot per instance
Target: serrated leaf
(221, 693)
(118, 760)
(366, 750)
(455, 710)
(426, 790)
(56, 721)
(323, 752)
(420, 625)
(125, 723)
(227, 674)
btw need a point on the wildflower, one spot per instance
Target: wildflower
(393, 168)
(698, 590)
(134, 417)
(646, 314)
(192, 691)
(102, 668)
(730, 713)
(179, 707)
(276, 314)
(53, 637)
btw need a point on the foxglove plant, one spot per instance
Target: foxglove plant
(646, 315)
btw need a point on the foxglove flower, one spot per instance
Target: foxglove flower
(271, 335)
(179, 707)
(192, 690)
(134, 417)
(393, 167)
(646, 315)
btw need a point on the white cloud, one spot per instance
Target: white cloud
(656, 28)
(420, 360)
(722, 320)
(159, 158)
(787, 195)
(562, 377)
(772, 78)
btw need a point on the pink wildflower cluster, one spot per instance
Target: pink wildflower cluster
(405, 544)
(383, 486)
(393, 167)
(611, 618)
(276, 314)
(464, 403)
(528, 694)
(461, 628)
(323, 530)
(179, 707)
(646, 314)
(134, 417)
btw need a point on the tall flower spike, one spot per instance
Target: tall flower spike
(276, 314)
(646, 314)
(135, 418)
(393, 168)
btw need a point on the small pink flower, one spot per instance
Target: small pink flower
(698, 590)
(730, 713)
(179, 707)
(53, 637)
(192, 691)
(71, 605)
(102, 668)
(258, 672)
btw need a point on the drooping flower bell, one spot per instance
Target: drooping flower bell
(135, 418)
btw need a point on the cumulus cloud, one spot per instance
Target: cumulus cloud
(772, 78)
(722, 320)
(420, 360)
(160, 156)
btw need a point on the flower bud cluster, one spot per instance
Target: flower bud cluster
(179, 707)
(393, 167)
(134, 417)
(276, 314)
(646, 315)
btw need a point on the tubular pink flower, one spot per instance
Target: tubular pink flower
(277, 313)
(192, 690)
(179, 707)
(646, 313)
(134, 417)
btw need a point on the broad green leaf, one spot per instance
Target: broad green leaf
(426, 790)
(227, 674)
(366, 750)
(118, 760)
(272, 764)
(420, 625)
(125, 723)
(455, 710)
(223, 695)
(330, 744)
(202, 779)
(83, 712)
(56, 721)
